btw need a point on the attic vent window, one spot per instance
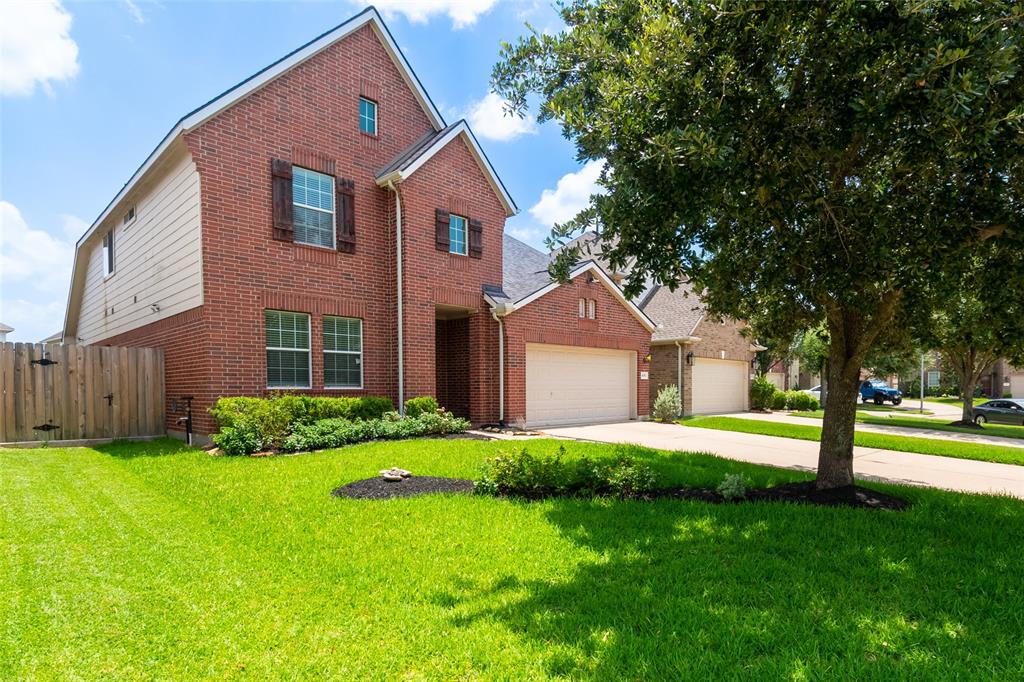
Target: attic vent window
(129, 216)
(367, 116)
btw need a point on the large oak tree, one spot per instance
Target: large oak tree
(800, 162)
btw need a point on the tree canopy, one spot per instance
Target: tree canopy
(800, 162)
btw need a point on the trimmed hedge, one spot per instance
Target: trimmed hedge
(761, 392)
(249, 425)
(333, 433)
(414, 407)
(520, 474)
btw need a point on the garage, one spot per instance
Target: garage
(574, 385)
(719, 386)
(1017, 385)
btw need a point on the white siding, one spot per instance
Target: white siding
(157, 258)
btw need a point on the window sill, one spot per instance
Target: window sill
(372, 136)
(110, 276)
(343, 388)
(289, 388)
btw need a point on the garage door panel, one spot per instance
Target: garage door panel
(719, 386)
(566, 384)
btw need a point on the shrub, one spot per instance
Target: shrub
(414, 407)
(243, 439)
(734, 487)
(667, 406)
(335, 432)
(778, 400)
(271, 420)
(798, 400)
(761, 392)
(520, 474)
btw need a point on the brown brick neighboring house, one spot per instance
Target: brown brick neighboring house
(258, 245)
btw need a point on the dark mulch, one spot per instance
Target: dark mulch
(379, 489)
(800, 493)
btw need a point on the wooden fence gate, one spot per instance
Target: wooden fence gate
(80, 392)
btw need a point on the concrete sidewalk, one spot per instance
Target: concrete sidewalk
(869, 464)
(917, 432)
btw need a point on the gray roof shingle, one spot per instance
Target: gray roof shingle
(415, 150)
(676, 313)
(524, 269)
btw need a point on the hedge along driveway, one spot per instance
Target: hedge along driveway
(152, 561)
(925, 446)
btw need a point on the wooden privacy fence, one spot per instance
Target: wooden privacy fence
(81, 392)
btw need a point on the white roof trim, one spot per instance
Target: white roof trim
(608, 283)
(232, 95)
(460, 128)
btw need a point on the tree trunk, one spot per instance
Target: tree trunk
(835, 455)
(967, 396)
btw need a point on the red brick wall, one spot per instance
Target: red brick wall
(187, 362)
(452, 361)
(554, 318)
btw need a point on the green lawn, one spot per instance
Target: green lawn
(151, 561)
(1001, 430)
(1006, 454)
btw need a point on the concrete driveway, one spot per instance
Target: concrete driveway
(869, 464)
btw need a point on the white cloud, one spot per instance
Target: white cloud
(489, 119)
(570, 196)
(72, 226)
(463, 13)
(35, 46)
(35, 270)
(134, 10)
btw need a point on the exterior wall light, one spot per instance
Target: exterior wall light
(689, 358)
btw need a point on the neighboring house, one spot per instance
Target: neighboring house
(54, 339)
(1003, 379)
(710, 358)
(4, 331)
(320, 229)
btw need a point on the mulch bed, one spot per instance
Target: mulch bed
(799, 493)
(379, 489)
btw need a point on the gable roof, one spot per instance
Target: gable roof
(677, 312)
(526, 278)
(235, 93)
(421, 151)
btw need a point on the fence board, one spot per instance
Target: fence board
(72, 393)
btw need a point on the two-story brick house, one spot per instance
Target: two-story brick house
(319, 228)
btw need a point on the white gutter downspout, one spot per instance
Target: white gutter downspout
(501, 368)
(398, 294)
(679, 376)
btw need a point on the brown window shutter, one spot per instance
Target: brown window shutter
(281, 189)
(476, 238)
(442, 240)
(346, 217)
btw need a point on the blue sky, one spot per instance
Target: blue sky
(88, 89)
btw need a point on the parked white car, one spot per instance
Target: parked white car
(814, 392)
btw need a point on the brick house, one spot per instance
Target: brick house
(320, 229)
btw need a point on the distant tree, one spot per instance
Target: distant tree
(814, 163)
(984, 320)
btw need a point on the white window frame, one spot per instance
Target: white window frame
(129, 216)
(109, 254)
(592, 308)
(345, 352)
(583, 308)
(333, 211)
(465, 234)
(376, 106)
(309, 351)
(938, 378)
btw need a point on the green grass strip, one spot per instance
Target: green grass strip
(1000, 430)
(926, 446)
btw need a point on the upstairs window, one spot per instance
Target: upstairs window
(457, 234)
(343, 352)
(129, 216)
(313, 205)
(933, 379)
(583, 308)
(367, 116)
(288, 357)
(592, 309)
(108, 254)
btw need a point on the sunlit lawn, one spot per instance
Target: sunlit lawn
(1000, 430)
(149, 561)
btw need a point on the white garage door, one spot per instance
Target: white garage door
(719, 386)
(1017, 385)
(567, 384)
